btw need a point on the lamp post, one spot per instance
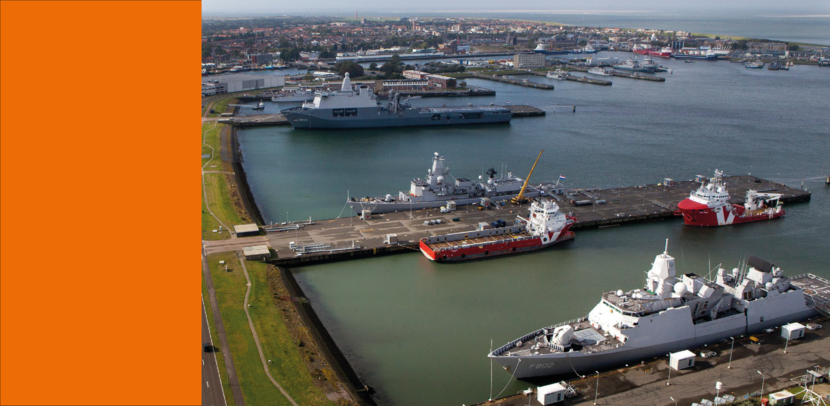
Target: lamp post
(672, 399)
(762, 384)
(718, 386)
(669, 381)
(596, 391)
(730, 353)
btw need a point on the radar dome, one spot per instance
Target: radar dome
(440, 180)
(680, 288)
(619, 292)
(768, 285)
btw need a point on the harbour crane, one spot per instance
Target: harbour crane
(520, 198)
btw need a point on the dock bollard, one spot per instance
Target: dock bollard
(574, 109)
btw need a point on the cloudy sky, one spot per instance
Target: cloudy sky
(369, 7)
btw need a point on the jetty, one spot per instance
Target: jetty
(381, 234)
(585, 79)
(632, 75)
(504, 79)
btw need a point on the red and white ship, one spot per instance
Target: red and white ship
(664, 52)
(646, 49)
(545, 226)
(709, 206)
(642, 49)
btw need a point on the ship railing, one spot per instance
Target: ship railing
(525, 338)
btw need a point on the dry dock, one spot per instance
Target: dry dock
(645, 384)
(351, 237)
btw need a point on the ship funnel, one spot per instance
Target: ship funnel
(347, 84)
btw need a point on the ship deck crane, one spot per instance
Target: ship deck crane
(520, 198)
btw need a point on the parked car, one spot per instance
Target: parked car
(708, 354)
(813, 326)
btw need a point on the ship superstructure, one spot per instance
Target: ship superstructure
(634, 65)
(669, 313)
(544, 226)
(709, 205)
(436, 190)
(357, 107)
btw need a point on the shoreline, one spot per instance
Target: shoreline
(359, 391)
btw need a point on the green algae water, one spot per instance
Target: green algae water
(418, 332)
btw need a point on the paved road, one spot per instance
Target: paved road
(212, 392)
(220, 331)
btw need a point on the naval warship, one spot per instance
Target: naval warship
(352, 108)
(668, 314)
(435, 191)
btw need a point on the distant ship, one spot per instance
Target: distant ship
(641, 49)
(435, 191)
(696, 53)
(293, 96)
(558, 74)
(709, 205)
(544, 227)
(588, 49)
(601, 71)
(359, 108)
(757, 64)
(540, 49)
(259, 106)
(668, 314)
(633, 65)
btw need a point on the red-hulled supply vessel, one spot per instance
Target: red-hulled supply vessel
(545, 226)
(709, 206)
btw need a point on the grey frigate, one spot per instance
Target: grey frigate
(358, 107)
(436, 191)
(669, 314)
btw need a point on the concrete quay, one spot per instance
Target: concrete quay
(352, 237)
(646, 383)
(503, 79)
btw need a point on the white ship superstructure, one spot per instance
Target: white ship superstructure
(436, 190)
(670, 313)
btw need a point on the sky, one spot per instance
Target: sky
(375, 7)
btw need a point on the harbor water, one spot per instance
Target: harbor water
(419, 332)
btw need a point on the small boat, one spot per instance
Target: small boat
(756, 64)
(688, 61)
(601, 71)
(774, 66)
(558, 74)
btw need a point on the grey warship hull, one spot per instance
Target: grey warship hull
(582, 363)
(668, 314)
(330, 119)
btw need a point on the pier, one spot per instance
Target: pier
(256, 120)
(352, 237)
(585, 79)
(633, 75)
(525, 111)
(503, 79)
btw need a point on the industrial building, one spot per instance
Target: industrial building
(528, 61)
(256, 253)
(240, 82)
(244, 230)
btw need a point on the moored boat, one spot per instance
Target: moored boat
(544, 226)
(601, 71)
(709, 205)
(558, 74)
(670, 313)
